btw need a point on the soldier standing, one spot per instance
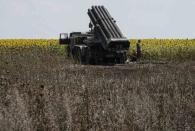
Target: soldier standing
(138, 51)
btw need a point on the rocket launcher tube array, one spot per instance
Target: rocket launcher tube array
(100, 15)
(106, 27)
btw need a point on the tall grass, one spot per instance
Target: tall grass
(42, 90)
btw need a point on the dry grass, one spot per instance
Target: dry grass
(41, 90)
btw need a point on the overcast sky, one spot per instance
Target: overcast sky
(136, 18)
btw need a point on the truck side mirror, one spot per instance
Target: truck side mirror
(64, 40)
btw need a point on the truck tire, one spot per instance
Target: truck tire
(122, 57)
(68, 51)
(80, 57)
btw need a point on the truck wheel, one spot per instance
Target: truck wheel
(80, 57)
(87, 60)
(67, 50)
(74, 56)
(122, 58)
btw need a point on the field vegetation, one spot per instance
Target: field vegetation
(152, 49)
(41, 89)
(166, 49)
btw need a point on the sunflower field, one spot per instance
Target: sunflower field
(34, 45)
(152, 49)
(26, 43)
(165, 49)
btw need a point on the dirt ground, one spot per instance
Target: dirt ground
(45, 91)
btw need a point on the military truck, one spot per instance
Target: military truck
(103, 43)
